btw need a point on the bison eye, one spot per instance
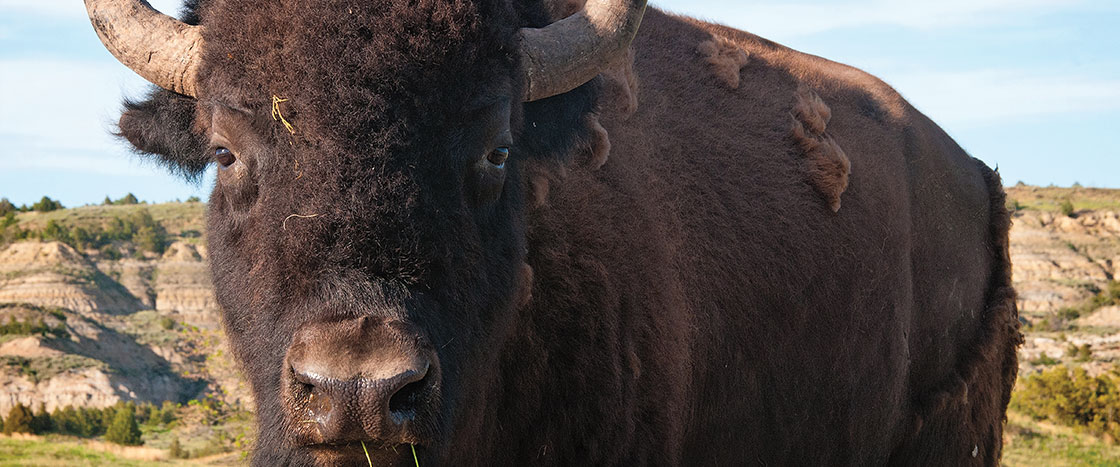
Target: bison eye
(224, 156)
(498, 157)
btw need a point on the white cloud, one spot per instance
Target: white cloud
(976, 98)
(783, 21)
(62, 113)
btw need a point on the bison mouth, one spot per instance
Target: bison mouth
(366, 453)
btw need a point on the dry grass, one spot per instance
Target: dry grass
(1028, 442)
(1051, 198)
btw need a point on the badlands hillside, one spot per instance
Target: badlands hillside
(91, 316)
(100, 304)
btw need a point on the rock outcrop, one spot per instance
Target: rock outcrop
(54, 274)
(1060, 261)
(81, 362)
(182, 286)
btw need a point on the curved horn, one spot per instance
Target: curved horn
(158, 47)
(570, 52)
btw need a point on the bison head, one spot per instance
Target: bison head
(367, 224)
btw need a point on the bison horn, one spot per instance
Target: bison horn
(158, 47)
(570, 52)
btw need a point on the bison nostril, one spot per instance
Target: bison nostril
(360, 379)
(404, 403)
(318, 403)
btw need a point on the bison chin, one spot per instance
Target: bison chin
(361, 386)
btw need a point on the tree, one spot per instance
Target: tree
(41, 420)
(123, 429)
(106, 416)
(47, 205)
(176, 450)
(194, 199)
(6, 207)
(107, 201)
(91, 420)
(167, 412)
(127, 200)
(18, 421)
(65, 420)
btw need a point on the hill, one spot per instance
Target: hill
(131, 323)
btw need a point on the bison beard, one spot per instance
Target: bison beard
(666, 274)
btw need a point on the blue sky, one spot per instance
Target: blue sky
(1032, 86)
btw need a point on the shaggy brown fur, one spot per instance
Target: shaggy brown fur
(827, 165)
(689, 301)
(726, 59)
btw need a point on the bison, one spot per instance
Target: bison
(496, 232)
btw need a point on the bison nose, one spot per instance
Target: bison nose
(362, 379)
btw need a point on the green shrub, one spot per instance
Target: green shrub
(18, 421)
(46, 205)
(56, 232)
(146, 233)
(176, 451)
(124, 429)
(110, 253)
(6, 207)
(1073, 398)
(139, 228)
(126, 200)
(1110, 296)
(28, 328)
(1067, 208)
(1045, 360)
(1080, 353)
(168, 412)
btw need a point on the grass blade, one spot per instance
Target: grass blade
(367, 454)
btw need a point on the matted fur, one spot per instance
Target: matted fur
(726, 59)
(688, 300)
(827, 166)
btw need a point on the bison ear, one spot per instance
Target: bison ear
(162, 126)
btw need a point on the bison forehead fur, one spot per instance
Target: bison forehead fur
(666, 275)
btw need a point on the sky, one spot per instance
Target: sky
(1030, 86)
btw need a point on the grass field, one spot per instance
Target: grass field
(175, 217)
(1027, 443)
(1031, 443)
(1051, 198)
(57, 450)
(67, 451)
